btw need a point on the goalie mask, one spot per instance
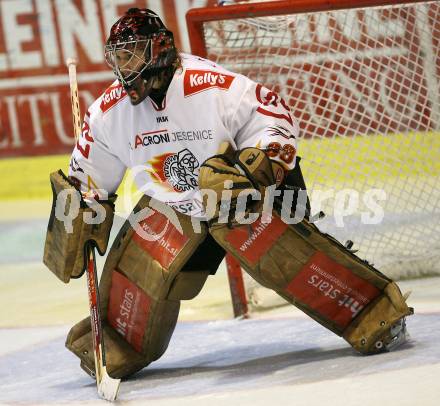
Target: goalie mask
(138, 50)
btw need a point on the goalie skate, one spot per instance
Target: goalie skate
(395, 337)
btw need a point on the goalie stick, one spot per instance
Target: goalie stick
(107, 386)
(237, 287)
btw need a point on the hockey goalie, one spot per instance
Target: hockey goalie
(215, 155)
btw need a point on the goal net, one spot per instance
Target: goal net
(364, 85)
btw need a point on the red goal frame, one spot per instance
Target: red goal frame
(197, 16)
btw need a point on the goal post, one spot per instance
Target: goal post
(197, 17)
(362, 77)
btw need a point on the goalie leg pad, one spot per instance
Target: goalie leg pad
(140, 290)
(384, 314)
(320, 276)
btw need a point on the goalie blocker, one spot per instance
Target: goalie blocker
(309, 269)
(72, 223)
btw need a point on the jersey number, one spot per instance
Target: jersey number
(85, 151)
(269, 98)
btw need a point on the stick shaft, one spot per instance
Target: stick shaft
(95, 316)
(236, 285)
(107, 386)
(74, 98)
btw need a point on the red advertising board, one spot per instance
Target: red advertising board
(36, 37)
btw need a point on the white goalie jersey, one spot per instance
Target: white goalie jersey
(165, 145)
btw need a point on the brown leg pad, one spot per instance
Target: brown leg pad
(320, 276)
(376, 320)
(140, 291)
(122, 359)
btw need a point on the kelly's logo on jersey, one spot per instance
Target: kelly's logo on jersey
(196, 81)
(111, 96)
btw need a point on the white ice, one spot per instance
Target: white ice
(282, 360)
(279, 357)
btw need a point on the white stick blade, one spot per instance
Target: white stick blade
(108, 387)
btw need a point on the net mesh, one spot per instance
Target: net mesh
(364, 87)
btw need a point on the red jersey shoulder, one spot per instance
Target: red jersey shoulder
(112, 96)
(199, 80)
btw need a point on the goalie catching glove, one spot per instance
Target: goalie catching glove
(244, 172)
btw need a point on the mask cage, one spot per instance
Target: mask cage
(129, 59)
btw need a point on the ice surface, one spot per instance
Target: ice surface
(280, 358)
(236, 362)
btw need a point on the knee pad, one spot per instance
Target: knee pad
(140, 289)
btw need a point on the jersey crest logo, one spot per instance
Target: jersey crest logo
(175, 171)
(111, 96)
(197, 81)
